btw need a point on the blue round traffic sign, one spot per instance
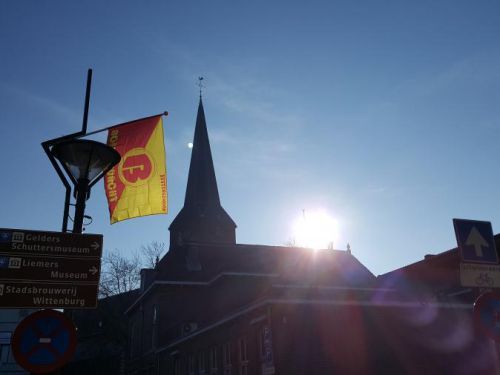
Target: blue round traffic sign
(487, 314)
(44, 341)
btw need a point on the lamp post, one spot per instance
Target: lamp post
(85, 162)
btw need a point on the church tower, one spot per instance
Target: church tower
(202, 219)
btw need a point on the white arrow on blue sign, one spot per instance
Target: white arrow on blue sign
(475, 241)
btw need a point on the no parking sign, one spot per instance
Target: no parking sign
(44, 341)
(487, 314)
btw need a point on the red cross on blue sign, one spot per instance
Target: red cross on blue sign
(44, 341)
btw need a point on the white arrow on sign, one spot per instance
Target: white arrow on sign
(475, 239)
(95, 245)
(93, 270)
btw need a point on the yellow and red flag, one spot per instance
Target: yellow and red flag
(137, 186)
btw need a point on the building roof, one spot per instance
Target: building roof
(437, 272)
(204, 264)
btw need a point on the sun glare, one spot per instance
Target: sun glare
(315, 229)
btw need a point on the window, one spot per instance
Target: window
(191, 365)
(213, 360)
(134, 344)
(155, 326)
(201, 363)
(242, 349)
(5, 337)
(155, 314)
(5, 350)
(266, 346)
(242, 356)
(226, 358)
(261, 343)
(177, 366)
(4, 353)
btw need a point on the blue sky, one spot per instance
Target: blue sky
(386, 114)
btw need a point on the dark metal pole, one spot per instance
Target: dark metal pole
(87, 101)
(46, 148)
(81, 190)
(47, 145)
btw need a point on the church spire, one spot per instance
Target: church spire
(202, 219)
(202, 185)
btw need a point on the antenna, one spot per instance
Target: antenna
(200, 85)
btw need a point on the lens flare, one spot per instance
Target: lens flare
(315, 230)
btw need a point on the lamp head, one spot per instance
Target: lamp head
(85, 161)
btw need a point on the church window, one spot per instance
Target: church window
(134, 343)
(4, 352)
(265, 341)
(213, 361)
(177, 366)
(155, 314)
(242, 356)
(202, 367)
(226, 358)
(191, 365)
(155, 326)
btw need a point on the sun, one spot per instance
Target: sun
(315, 230)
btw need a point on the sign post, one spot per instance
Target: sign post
(479, 268)
(479, 257)
(475, 241)
(49, 269)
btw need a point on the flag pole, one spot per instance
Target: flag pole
(79, 134)
(87, 101)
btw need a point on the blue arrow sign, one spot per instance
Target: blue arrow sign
(475, 241)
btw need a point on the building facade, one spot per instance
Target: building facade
(213, 306)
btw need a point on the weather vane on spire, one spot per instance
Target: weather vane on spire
(200, 85)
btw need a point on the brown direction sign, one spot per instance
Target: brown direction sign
(47, 295)
(49, 269)
(53, 269)
(30, 242)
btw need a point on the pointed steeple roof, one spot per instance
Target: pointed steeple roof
(202, 219)
(202, 185)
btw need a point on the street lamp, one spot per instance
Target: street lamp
(85, 162)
